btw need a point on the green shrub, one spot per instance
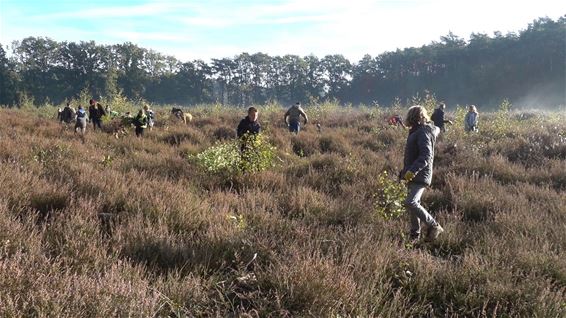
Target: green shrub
(257, 153)
(503, 121)
(251, 153)
(220, 158)
(389, 197)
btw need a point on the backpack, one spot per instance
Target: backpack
(81, 113)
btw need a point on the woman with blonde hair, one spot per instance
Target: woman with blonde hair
(471, 119)
(417, 170)
(150, 116)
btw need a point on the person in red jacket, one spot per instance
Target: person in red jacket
(396, 120)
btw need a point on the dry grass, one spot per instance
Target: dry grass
(130, 227)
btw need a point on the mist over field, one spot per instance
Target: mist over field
(549, 97)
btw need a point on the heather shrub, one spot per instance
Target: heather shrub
(182, 223)
(48, 202)
(224, 132)
(304, 146)
(305, 202)
(334, 143)
(50, 155)
(177, 138)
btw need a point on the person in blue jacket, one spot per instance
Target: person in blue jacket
(81, 119)
(417, 170)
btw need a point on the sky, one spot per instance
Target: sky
(209, 29)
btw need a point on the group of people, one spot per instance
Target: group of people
(439, 120)
(418, 157)
(250, 124)
(68, 114)
(145, 117)
(470, 120)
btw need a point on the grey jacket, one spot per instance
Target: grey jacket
(419, 153)
(471, 121)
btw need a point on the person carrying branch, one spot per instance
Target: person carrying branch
(249, 125)
(247, 130)
(140, 122)
(417, 170)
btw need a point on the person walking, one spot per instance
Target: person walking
(67, 114)
(81, 119)
(93, 114)
(249, 125)
(150, 116)
(140, 122)
(438, 117)
(293, 117)
(247, 130)
(100, 112)
(471, 119)
(417, 170)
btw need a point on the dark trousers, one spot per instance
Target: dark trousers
(295, 127)
(96, 122)
(139, 131)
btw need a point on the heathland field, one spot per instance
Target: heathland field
(174, 225)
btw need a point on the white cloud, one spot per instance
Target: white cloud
(134, 11)
(224, 15)
(133, 36)
(373, 28)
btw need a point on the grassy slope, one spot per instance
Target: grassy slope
(129, 227)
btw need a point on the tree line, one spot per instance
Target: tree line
(482, 70)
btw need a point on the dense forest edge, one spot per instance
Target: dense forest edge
(527, 67)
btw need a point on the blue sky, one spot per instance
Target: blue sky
(221, 28)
